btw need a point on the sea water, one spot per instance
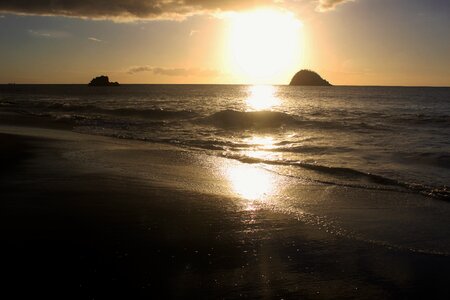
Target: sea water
(365, 137)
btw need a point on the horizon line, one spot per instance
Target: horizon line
(333, 85)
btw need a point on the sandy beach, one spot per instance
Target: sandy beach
(91, 217)
(263, 149)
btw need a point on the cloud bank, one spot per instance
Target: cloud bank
(141, 9)
(174, 71)
(125, 9)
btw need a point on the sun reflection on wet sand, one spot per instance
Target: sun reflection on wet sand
(262, 97)
(251, 182)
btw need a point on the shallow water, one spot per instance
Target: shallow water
(374, 138)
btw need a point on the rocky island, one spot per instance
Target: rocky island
(308, 78)
(102, 81)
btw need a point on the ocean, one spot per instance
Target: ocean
(383, 138)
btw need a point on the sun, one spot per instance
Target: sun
(264, 45)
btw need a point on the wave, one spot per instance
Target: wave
(125, 112)
(5, 102)
(231, 119)
(423, 119)
(438, 192)
(314, 149)
(436, 159)
(152, 113)
(351, 175)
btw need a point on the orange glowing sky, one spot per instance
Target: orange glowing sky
(361, 42)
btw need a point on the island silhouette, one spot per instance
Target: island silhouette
(102, 81)
(308, 78)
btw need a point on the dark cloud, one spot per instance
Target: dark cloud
(175, 71)
(124, 9)
(141, 9)
(325, 5)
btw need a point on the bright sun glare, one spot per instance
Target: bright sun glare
(264, 44)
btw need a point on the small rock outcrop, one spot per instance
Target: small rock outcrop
(308, 78)
(102, 81)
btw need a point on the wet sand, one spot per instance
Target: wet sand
(87, 217)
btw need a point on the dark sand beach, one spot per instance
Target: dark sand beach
(90, 217)
(263, 149)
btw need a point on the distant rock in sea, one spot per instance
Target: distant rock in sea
(102, 81)
(308, 78)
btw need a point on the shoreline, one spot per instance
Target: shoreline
(95, 217)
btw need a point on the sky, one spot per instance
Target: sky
(348, 42)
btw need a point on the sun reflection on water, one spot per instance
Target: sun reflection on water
(262, 97)
(262, 142)
(260, 147)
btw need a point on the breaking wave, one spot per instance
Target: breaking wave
(230, 119)
(354, 178)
